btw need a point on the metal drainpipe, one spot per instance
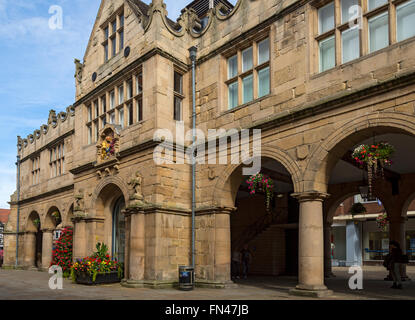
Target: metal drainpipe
(18, 210)
(193, 52)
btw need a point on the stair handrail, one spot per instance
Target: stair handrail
(254, 229)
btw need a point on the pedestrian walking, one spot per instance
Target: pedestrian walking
(236, 264)
(395, 261)
(246, 260)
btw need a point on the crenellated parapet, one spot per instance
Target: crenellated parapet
(54, 120)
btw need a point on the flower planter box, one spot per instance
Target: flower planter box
(102, 278)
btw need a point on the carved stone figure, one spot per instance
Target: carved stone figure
(136, 183)
(78, 70)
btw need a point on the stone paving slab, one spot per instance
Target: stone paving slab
(33, 285)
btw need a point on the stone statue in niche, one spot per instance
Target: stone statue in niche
(136, 183)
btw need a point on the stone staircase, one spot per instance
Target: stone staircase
(268, 251)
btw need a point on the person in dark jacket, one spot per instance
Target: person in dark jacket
(246, 260)
(395, 261)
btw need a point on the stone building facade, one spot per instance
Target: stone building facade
(297, 70)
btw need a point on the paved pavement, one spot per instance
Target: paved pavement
(33, 285)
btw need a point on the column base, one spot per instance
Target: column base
(330, 275)
(216, 284)
(311, 291)
(150, 284)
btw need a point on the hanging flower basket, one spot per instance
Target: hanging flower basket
(262, 183)
(357, 208)
(375, 156)
(382, 221)
(57, 217)
(36, 222)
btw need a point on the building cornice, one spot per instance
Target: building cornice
(48, 145)
(44, 195)
(334, 102)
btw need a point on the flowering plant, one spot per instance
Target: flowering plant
(374, 154)
(376, 157)
(62, 253)
(1, 254)
(382, 221)
(57, 216)
(99, 262)
(261, 182)
(36, 222)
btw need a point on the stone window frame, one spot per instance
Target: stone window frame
(57, 160)
(99, 120)
(113, 40)
(339, 27)
(256, 68)
(178, 95)
(35, 170)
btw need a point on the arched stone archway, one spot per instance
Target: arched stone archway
(51, 221)
(228, 182)
(98, 225)
(33, 241)
(325, 156)
(228, 225)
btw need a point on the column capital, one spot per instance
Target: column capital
(310, 196)
(47, 230)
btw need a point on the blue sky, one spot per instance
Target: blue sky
(37, 68)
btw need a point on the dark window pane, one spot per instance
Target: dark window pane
(178, 83)
(177, 109)
(114, 26)
(121, 40)
(130, 114)
(122, 21)
(140, 109)
(114, 47)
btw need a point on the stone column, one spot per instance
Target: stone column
(397, 231)
(222, 264)
(79, 239)
(327, 251)
(47, 244)
(127, 245)
(311, 246)
(30, 249)
(136, 263)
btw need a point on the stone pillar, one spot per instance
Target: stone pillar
(222, 264)
(29, 249)
(311, 246)
(327, 251)
(79, 239)
(397, 232)
(136, 254)
(47, 244)
(127, 246)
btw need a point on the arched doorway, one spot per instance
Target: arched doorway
(33, 241)
(110, 205)
(269, 233)
(343, 175)
(118, 231)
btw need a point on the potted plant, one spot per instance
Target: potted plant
(97, 269)
(357, 208)
(262, 183)
(375, 156)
